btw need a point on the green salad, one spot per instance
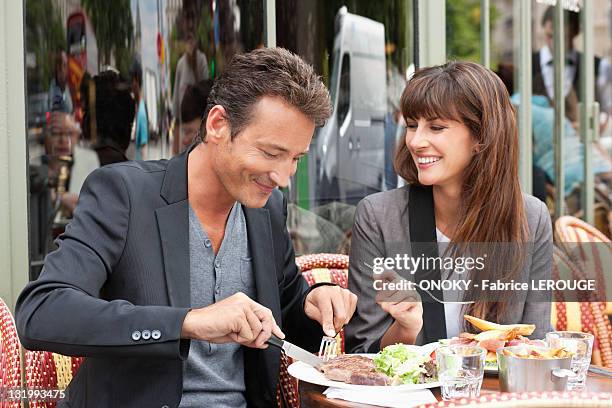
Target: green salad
(402, 364)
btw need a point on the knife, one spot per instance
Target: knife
(295, 352)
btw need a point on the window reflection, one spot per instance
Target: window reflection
(363, 52)
(110, 81)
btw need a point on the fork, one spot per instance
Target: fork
(328, 347)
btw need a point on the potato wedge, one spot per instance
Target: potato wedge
(520, 329)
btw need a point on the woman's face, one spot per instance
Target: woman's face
(441, 150)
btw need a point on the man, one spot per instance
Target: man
(192, 66)
(177, 303)
(543, 68)
(141, 135)
(59, 94)
(62, 150)
(110, 118)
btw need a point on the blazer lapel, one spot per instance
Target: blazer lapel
(173, 223)
(259, 232)
(422, 220)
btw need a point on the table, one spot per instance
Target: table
(312, 395)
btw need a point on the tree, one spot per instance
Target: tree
(463, 29)
(113, 27)
(44, 37)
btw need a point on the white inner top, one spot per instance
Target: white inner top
(452, 311)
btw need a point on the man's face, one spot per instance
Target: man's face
(549, 36)
(264, 155)
(62, 135)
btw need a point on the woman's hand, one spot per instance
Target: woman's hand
(409, 315)
(406, 309)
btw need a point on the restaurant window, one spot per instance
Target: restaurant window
(105, 82)
(364, 51)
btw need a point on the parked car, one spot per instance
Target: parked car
(350, 147)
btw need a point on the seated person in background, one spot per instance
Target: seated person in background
(460, 159)
(193, 107)
(59, 92)
(68, 162)
(173, 274)
(113, 107)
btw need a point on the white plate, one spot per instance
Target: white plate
(308, 373)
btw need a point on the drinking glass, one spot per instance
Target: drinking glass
(581, 345)
(460, 370)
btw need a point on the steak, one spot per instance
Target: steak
(353, 369)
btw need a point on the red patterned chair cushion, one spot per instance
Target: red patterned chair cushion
(48, 370)
(10, 357)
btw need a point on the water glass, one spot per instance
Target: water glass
(460, 370)
(581, 345)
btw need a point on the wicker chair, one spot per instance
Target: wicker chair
(550, 399)
(585, 245)
(315, 268)
(581, 316)
(10, 355)
(48, 370)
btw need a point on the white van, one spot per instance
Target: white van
(350, 147)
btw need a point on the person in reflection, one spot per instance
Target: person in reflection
(141, 132)
(61, 136)
(174, 306)
(543, 67)
(109, 116)
(59, 94)
(460, 158)
(193, 108)
(192, 66)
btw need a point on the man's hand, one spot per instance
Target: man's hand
(237, 319)
(331, 306)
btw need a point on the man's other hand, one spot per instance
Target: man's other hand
(331, 306)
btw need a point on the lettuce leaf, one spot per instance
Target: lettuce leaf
(401, 363)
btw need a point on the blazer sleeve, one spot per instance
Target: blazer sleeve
(299, 328)
(62, 310)
(370, 322)
(537, 305)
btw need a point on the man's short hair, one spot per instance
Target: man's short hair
(269, 72)
(571, 19)
(114, 108)
(136, 71)
(193, 105)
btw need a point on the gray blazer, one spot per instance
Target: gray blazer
(381, 229)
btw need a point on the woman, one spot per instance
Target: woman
(460, 158)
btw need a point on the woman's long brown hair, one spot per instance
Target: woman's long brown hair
(492, 209)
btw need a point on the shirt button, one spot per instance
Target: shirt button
(207, 243)
(217, 263)
(155, 334)
(136, 335)
(146, 334)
